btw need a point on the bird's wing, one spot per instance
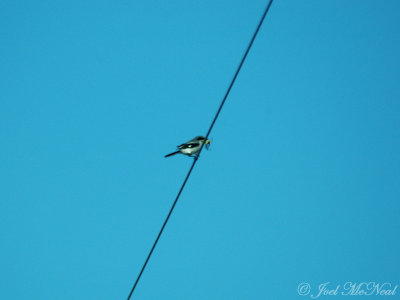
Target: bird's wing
(189, 145)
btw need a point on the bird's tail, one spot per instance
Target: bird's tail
(173, 153)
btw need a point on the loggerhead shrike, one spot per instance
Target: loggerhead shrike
(192, 147)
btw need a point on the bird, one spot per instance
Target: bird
(192, 147)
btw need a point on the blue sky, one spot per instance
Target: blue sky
(301, 183)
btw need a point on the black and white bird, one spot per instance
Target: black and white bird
(192, 147)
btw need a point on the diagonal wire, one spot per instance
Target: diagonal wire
(163, 226)
(239, 67)
(196, 157)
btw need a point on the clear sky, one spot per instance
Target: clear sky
(301, 183)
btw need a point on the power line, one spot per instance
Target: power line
(163, 226)
(239, 67)
(196, 157)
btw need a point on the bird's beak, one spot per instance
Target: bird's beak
(208, 143)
